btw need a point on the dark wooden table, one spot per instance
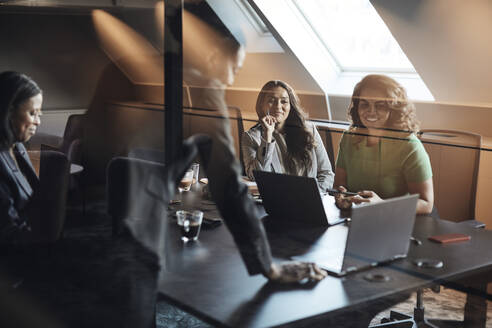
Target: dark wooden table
(208, 278)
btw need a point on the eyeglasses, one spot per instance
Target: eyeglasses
(380, 106)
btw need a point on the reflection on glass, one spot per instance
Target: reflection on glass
(140, 61)
(159, 18)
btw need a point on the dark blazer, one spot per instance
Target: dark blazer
(17, 187)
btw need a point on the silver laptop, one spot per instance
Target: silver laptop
(295, 200)
(375, 234)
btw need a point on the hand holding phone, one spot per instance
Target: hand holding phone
(341, 201)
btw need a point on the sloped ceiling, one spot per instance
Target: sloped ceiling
(238, 19)
(449, 42)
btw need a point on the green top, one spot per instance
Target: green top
(386, 167)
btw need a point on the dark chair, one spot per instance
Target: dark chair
(141, 190)
(474, 302)
(52, 196)
(147, 154)
(329, 148)
(200, 123)
(129, 190)
(71, 143)
(74, 130)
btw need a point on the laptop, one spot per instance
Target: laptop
(295, 200)
(375, 234)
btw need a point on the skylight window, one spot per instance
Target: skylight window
(339, 42)
(355, 35)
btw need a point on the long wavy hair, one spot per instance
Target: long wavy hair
(299, 140)
(15, 88)
(402, 118)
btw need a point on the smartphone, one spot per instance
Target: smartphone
(332, 192)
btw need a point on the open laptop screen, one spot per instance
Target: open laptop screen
(294, 200)
(376, 233)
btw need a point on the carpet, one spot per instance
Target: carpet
(169, 316)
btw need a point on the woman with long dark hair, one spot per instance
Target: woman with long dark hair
(20, 110)
(283, 141)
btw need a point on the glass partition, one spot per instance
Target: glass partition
(241, 101)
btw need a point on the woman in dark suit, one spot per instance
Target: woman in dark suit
(20, 110)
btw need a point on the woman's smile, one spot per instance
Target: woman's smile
(373, 109)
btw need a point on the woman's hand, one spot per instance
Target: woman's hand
(344, 202)
(293, 271)
(366, 196)
(268, 123)
(341, 201)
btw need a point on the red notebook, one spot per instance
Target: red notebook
(450, 238)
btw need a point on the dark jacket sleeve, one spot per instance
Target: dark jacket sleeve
(239, 212)
(13, 226)
(16, 191)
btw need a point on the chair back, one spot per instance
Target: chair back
(147, 154)
(240, 131)
(455, 157)
(54, 178)
(135, 190)
(75, 152)
(200, 120)
(74, 129)
(139, 191)
(329, 148)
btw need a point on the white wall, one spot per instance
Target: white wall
(259, 68)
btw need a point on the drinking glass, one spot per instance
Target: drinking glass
(195, 167)
(189, 223)
(185, 183)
